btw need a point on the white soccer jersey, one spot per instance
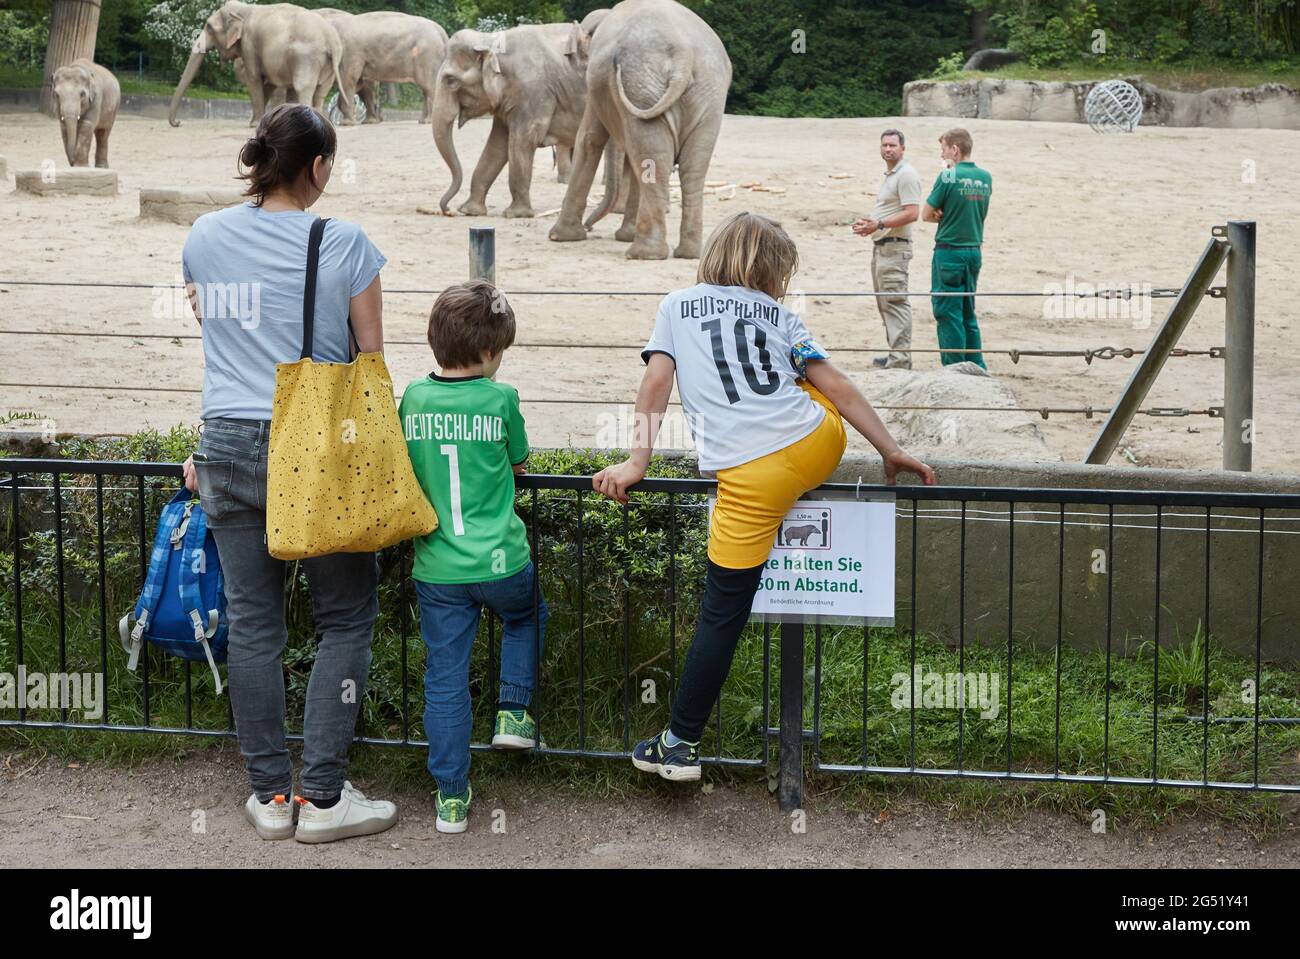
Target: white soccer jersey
(739, 354)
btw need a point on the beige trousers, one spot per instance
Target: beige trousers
(889, 262)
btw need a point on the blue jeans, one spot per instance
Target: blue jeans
(449, 617)
(231, 466)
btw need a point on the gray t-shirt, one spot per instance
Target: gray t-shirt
(248, 266)
(739, 354)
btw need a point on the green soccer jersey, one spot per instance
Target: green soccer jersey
(962, 193)
(464, 434)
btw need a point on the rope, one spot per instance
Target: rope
(1127, 293)
(1088, 355)
(1044, 411)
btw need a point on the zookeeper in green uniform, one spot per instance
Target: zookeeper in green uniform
(959, 203)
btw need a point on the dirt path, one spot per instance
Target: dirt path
(53, 815)
(1069, 207)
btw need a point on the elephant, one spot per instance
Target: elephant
(657, 82)
(280, 43)
(386, 46)
(88, 96)
(530, 79)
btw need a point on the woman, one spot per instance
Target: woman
(244, 271)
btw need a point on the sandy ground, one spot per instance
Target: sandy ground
(1111, 211)
(53, 815)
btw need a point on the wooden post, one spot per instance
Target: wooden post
(73, 27)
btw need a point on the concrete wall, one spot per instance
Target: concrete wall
(156, 107)
(1129, 567)
(1272, 105)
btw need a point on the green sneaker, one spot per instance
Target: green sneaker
(513, 733)
(453, 814)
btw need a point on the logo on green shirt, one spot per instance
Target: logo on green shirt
(962, 193)
(464, 435)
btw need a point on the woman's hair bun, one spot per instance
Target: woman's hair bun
(288, 139)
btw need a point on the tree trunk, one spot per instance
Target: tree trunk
(979, 26)
(73, 26)
(390, 94)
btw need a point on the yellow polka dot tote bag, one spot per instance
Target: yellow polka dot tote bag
(338, 476)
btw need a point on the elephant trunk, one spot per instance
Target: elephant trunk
(191, 68)
(446, 110)
(70, 138)
(613, 167)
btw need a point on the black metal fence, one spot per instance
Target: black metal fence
(1071, 602)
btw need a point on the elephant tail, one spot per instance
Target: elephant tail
(677, 84)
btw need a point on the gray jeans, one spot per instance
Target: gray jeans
(231, 468)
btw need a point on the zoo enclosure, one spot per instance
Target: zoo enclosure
(621, 583)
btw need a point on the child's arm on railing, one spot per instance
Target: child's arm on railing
(651, 402)
(853, 406)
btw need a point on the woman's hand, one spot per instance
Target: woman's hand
(191, 475)
(898, 461)
(613, 481)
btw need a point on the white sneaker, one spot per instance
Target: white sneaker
(272, 820)
(352, 815)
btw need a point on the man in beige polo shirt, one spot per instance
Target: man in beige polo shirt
(898, 204)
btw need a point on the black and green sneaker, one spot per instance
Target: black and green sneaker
(680, 763)
(515, 729)
(453, 811)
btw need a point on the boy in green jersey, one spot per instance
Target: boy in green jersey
(465, 436)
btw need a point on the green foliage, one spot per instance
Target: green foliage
(1053, 32)
(23, 37)
(949, 67)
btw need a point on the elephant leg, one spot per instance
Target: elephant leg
(652, 163)
(347, 93)
(374, 114)
(490, 163)
(85, 133)
(627, 230)
(428, 91)
(523, 148)
(563, 162)
(101, 148)
(624, 183)
(587, 147)
(692, 169)
(631, 184)
(258, 97)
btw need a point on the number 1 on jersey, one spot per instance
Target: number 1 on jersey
(457, 521)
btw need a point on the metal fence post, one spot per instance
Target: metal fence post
(790, 788)
(1144, 374)
(483, 253)
(1239, 348)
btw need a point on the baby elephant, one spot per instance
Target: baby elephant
(88, 97)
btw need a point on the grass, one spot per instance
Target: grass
(29, 78)
(1190, 76)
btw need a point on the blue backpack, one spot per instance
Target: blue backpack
(182, 608)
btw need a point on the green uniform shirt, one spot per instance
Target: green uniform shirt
(464, 434)
(962, 193)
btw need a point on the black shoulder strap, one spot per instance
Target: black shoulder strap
(309, 287)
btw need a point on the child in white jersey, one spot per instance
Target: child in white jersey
(766, 409)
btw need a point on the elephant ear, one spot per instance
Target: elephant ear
(577, 44)
(489, 47)
(234, 31)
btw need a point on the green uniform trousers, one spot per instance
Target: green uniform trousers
(956, 270)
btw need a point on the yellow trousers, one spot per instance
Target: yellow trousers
(754, 497)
